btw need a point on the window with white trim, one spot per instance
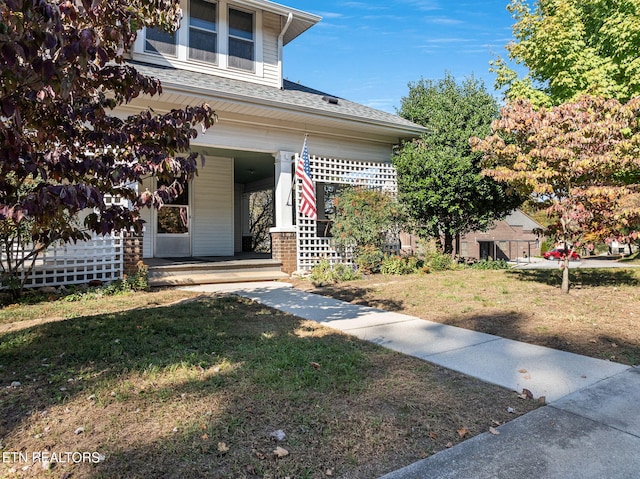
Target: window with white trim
(160, 42)
(203, 31)
(241, 40)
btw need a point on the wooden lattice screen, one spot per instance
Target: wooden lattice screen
(312, 247)
(100, 258)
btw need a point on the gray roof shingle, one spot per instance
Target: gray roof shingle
(292, 96)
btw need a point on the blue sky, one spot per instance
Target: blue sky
(369, 51)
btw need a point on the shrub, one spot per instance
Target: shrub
(401, 265)
(438, 261)
(369, 259)
(490, 264)
(326, 273)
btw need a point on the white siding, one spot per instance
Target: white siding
(271, 30)
(148, 216)
(266, 138)
(212, 212)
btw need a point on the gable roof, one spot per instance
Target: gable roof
(293, 102)
(520, 218)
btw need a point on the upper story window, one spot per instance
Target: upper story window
(203, 31)
(161, 42)
(241, 40)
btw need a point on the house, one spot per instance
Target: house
(510, 239)
(230, 55)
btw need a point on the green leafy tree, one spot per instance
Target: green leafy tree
(572, 48)
(575, 160)
(365, 221)
(61, 148)
(439, 176)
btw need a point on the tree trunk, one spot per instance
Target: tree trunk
(448, 243)
(565, 274)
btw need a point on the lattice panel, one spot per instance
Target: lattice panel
(313, 248)
(100, 258)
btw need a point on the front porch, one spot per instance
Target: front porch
(245, 267)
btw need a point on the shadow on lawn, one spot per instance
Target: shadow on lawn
(579, 277)
(360, 296)
(193, 390)
(212, 354)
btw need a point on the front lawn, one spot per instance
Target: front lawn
(169, 384)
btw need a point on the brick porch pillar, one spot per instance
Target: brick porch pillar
(132, 251)
(284, 248)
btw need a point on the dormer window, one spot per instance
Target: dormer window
(203, 31)
(160, 42)
(241, 40)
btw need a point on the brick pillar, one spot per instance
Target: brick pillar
(132, 251)
(284, 248)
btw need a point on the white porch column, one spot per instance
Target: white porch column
(284, 196)
(284, 236)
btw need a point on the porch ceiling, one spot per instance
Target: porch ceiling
(248, 166)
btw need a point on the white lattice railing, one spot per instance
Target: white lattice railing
(100, 258)
(312, 248)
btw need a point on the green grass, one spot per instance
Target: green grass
(194, 389)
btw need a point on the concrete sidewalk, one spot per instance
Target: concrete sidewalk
(589, 429)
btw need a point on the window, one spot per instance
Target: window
(203, 36)
(160, 42)
(241, 40)
(325, 204)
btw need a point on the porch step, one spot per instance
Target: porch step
(204, 272)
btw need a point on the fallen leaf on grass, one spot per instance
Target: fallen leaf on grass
(223, 448)
(526, 394)
(280, 452)
(462, 432)
(315, 365)
(449, 444)
(433, 436)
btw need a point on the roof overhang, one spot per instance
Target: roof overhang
(301, 22)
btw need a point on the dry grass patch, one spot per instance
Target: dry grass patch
(599, 318)
(196, 389)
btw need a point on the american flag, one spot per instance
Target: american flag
(303, 171)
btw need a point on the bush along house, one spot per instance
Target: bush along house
(230, 55)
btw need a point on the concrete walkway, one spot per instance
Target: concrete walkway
(589, 429)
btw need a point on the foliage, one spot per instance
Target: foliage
(327, 273)
(439, 176)
(369, 259)
(575, 160)
(399, 265)
(572, 48)
(437, 261)
(365, 220)
(486, 264)
(62, 151)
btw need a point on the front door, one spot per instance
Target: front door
(173, 228)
